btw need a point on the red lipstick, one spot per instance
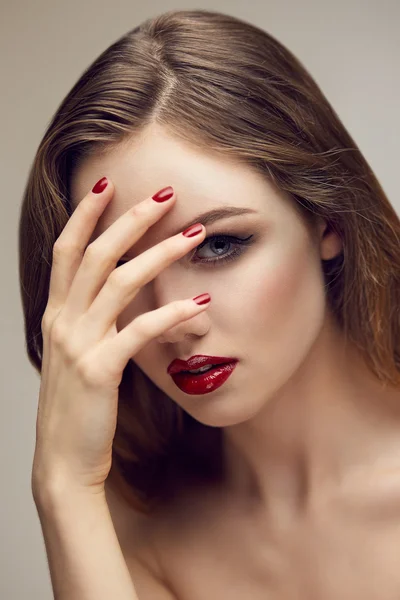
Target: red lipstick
(202, 383)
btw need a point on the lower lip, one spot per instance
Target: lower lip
(203, 383)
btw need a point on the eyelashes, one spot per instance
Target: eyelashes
(239, 245)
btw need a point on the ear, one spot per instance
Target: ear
(329, 242)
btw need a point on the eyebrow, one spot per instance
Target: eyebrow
(211, 216)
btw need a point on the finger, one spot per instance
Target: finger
(134, 336)
(103, 253)
(125, 282)
(70, 245)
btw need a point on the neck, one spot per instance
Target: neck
(326, 430)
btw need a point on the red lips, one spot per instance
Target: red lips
(196, 362)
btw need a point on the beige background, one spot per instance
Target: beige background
(352, 48)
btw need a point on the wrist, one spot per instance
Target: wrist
(52, 498)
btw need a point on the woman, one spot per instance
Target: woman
(276, 472)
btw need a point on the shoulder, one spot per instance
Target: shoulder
(136, 535)
(148, 585)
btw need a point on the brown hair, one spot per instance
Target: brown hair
(230, 87)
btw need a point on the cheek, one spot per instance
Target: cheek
(284, 302)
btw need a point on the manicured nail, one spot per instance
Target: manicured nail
(100, 185)
(193, 230)
(202, 299)
(164, 194)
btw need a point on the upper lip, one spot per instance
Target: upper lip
(197, 361)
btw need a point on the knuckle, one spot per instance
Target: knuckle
(49, 316)
(46, 322)
(61, 339)
(70, 351)
(140, 210)
(179, 310)
(142, 327)
(63, 247)
(146, 324)
(95, 254)
(118, 280)
(58, 333)
(87, 371)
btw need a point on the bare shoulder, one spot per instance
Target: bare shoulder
(147, 585)
(136, 534)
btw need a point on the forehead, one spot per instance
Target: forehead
(154, 159)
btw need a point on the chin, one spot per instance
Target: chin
(222, 412)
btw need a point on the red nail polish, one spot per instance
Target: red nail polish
(100, 185)
(164, 194)
(202, 299)
(193, 230)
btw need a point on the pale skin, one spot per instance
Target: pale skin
(311, 436)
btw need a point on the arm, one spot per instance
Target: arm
(84, 556)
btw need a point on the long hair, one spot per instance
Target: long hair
(232, 88)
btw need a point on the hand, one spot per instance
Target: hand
(83, 353)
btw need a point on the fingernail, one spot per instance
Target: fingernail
(202, 299)
(193, 230)
(100, 185)
(164, 194)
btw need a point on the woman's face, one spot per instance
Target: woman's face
(267, 303)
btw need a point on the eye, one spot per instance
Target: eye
(219, 243)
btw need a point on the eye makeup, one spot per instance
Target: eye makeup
(239, 245)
